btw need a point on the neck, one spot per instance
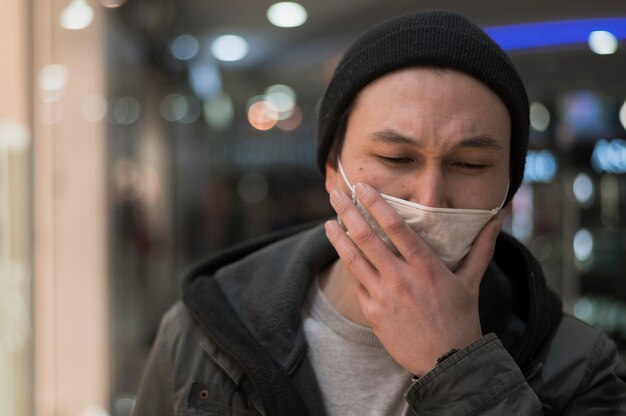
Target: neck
(339, 287)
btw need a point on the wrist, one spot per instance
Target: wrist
(441, 359)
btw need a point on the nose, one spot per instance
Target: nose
(429, 188)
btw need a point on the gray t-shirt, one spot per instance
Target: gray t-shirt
(355, 373)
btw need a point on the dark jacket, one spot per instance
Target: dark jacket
(236, 346)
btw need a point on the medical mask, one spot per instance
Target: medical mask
(449, 232)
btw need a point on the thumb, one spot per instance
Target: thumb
(481, 253)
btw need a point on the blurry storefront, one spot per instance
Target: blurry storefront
(138, 137)
(15, 217)
(53, 265)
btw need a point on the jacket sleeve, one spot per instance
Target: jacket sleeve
(483, 379)
(156, 392)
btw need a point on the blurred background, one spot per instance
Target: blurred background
(137, 137)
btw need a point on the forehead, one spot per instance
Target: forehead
(431, 103)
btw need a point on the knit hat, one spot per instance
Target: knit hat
(435, 38)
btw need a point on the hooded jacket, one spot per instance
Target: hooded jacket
(235, 345)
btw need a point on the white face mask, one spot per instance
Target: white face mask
(449, 232)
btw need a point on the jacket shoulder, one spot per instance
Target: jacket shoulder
(199, 373)
(177, 326)
(579, 362)
(576, 340)
(189, 347)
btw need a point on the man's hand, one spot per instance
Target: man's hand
(417, 307)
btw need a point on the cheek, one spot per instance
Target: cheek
(484, 192)
(364, 168)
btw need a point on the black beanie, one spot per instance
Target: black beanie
(431, 38)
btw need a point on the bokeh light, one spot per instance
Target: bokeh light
(622, 115)
(124, 405)
(583, 189)
(53, 79)
(219, 112)
(262, 115)
(287, 14)
(77, 15)
(583, 244)
(193, 109)
(204, 78)
(229, 48)
(602, 42)
(292, 122)
(609, 156)
(539, 117)
(14, 136)
(605, 313)
(124, 110)
(94, 108)
(182, 108)
(283, 98)
(541, 167)
(94, 411)
(184, 47)
(173, 107)
(112, 4)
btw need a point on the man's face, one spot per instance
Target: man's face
(437, 137)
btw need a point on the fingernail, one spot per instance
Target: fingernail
(360, 188)
(329, 227)
(334, 196)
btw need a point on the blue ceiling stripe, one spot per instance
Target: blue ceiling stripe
(543, 34)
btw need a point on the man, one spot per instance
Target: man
(412, 302)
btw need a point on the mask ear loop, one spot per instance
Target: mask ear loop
(508, 185)
(345, 179)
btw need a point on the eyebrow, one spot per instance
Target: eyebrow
(481, 141)
(393, 137)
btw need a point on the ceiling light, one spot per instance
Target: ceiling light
(77, 15)
(602, 42)
(556, 33)
(229, 48)
(287, 14)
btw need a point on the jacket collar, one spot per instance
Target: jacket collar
(539, 308)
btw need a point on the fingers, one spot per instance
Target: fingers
(350, 255)
(481, 253)
(360, 231)
(412, 248)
